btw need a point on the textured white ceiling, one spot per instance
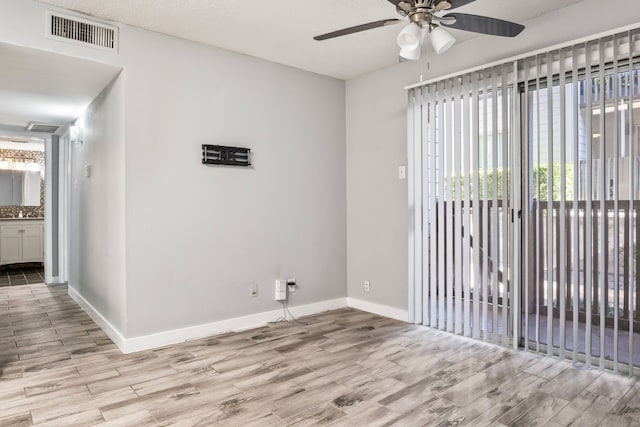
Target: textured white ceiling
(46, 87)
(282, 30)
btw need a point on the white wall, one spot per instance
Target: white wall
(376, 140)
(197, 236)
(97, 250)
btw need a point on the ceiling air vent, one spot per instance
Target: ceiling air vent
(82, 31)
(42, 127)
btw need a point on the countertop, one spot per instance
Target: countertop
(22, 219)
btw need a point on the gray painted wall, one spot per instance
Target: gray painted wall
(97, 252)
(197, 236)
(377, 135)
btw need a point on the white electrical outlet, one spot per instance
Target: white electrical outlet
(281, 290)
(253, 290)
(291, 285)
(367, 286)
(402, 172)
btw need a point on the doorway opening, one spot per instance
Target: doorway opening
(42, 96)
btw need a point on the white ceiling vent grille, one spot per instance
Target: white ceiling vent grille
(42, 127)
(82, 31)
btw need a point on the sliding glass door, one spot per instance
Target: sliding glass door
(462, 245)
(524, 195)
(581, 111)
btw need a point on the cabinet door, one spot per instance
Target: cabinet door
(32, 243)
(10, 244)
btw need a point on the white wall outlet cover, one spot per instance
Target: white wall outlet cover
(253, 290)
(281, 290)
(367, 286)
(87, 171)
(402, 172)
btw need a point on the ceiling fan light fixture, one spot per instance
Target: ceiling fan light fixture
(411, 54)
(410, 36)
(441, 39)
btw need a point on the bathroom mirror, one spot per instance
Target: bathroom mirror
(20, 187)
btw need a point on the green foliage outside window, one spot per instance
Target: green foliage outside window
(540, 183)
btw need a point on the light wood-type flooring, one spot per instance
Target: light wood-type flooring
(344, 367)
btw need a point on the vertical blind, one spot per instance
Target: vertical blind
(461, 147)
(524, 181)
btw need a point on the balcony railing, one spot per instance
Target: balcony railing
(625, 281)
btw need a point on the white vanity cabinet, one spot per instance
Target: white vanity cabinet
(21, 241)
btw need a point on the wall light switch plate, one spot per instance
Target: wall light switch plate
(402, 172)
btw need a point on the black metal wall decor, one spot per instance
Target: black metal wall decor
(222, 155)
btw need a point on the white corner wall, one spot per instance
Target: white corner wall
(97, 211)
(377, 139)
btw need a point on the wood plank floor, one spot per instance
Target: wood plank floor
(344, 367)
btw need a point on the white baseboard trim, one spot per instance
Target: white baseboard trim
(235, 324)
(161, 339)
(175, 336)
(379, 309)
(115, 335)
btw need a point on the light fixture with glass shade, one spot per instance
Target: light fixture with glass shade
(410, 42)
(410, 36)
(411, 54)
(441, 39)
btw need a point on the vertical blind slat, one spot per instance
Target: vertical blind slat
(441, 209)
(456, 203)
(616, 206)
(474, 240)
(537, 217)
(495, 266)
(604, 216)
(448, 200)
(466, 225)
(526, 187)
(576, 213)
(433, 209)
(561, 213)
(550, 177)
(588, 209)
(516, 209)
(424, 288)
(632, 212)
(411, 201)
(417, 161)
(504, 264)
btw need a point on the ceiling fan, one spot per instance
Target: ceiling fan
(424, 16)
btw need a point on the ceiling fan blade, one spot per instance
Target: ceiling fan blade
(459, 3)
(357, 29)
(404, 5)
(483, 24)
